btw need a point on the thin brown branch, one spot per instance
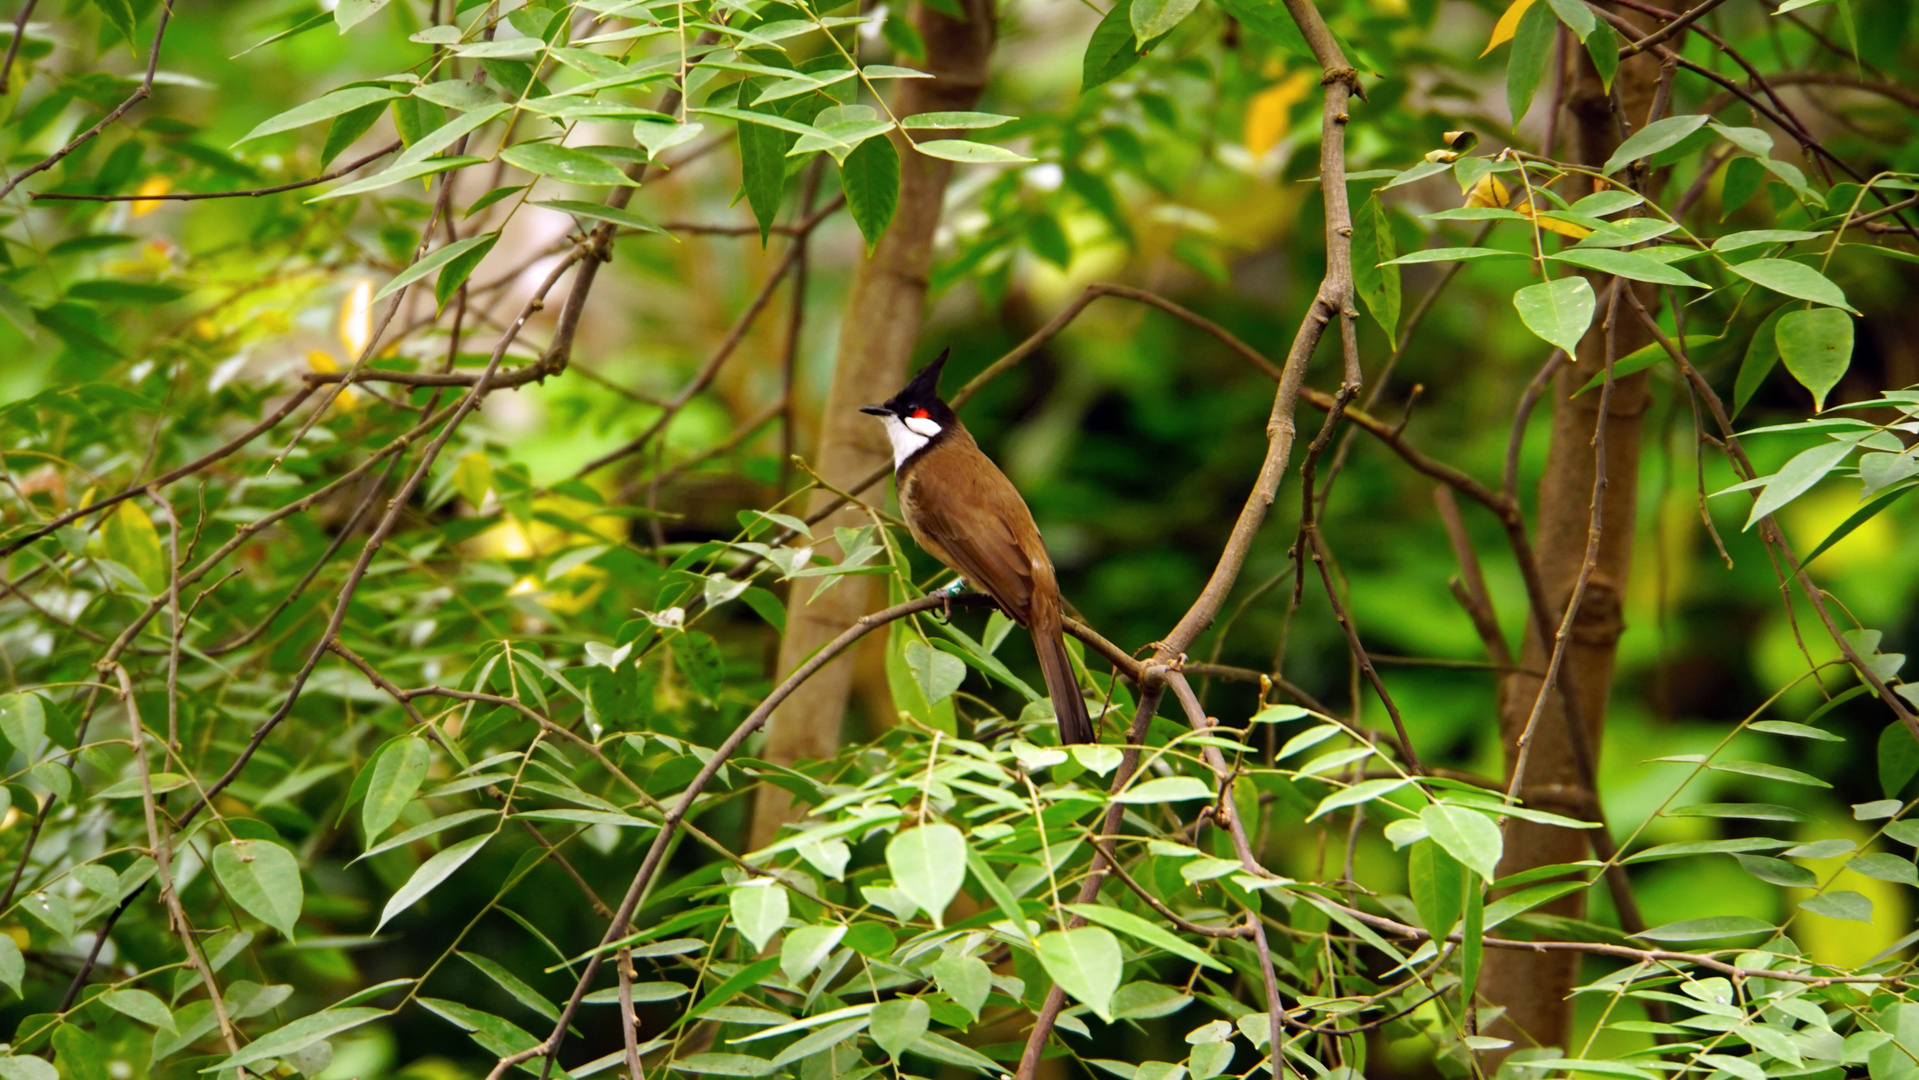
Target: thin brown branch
(140, 94)
(251, 193)
(6, 67)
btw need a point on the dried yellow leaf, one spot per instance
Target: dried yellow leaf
(1507, 25)
(1488, 191)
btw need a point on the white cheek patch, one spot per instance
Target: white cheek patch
(906, 442)
(922, 425)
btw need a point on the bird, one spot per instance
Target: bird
(963, 510)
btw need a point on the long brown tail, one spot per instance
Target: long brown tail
(1049, 641)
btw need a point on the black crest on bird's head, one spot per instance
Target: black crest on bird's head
(920, 396)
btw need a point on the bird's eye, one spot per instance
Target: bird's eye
(920, 414)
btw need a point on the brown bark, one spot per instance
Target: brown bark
(877, 336)
(1534, 988)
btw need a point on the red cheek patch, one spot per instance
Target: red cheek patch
(920, 414)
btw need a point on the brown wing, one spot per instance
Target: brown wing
(978, 525)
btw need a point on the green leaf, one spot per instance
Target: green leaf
(1151, 18)
(712, 1064)
(1777, 871)
(928, 864)
(602, 212)
(397, 775)
(1653, 138)
(1708, 929)
(659, 136)
(1840, 904)
(1796, 477)
(444, 136)
(806, 948)
(1758, 237)
(1734, 846)
(1111, 49)
(325, 107)
(1747, 811)
(1467, 835)
(264, 879)
(1886, 868)
(1557, 311)
(1627, 264)
(13, 966)
(23, 722)
(1452, 254)
(965, 979)
(1526, 66)
(1744, 177)
(140, 1005)
(120, 14)
(1165, 789)
(763, 167)
(1364, 791)
(1085, 963)
(1816, 345)
(759, 910)
(564, 163)
(937, 673)
(1793, 279)
(1577, 17)
(512, 984)
(1472, 935)
(1151, 933)
(389, 177)
(1898, 757)
(898, 1024)
(434, 260)
(947, 121)
(27, 1068)
(970, 153)
(1437, 882)
(1603, 46)
(351, 13)
(297, 1036)
(1374, 277)
(870, 176)
(434, 870)
(1761, 355)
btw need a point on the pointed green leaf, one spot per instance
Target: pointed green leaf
(264, 879)
(898, 1024)
(1793, 279)
(1653, 138)
(928, 864)
(1085, 963)
(759, 910)
(436, 869)
(870, 176)
(397, 775)
(434, 261)
(325, 107)
(1558, 311)
(1816, 346)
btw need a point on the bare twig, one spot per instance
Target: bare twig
(251, 193)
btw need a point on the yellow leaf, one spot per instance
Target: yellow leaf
(1563, 228)
(1266, 114)
(152, 185)
(325, 364)
(129, 538)
(1508, 23)
(1488, 191)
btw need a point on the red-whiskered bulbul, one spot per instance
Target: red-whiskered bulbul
(968, 515)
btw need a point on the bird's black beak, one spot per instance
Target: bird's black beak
(876, 410)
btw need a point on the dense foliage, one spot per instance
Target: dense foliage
(411, 417)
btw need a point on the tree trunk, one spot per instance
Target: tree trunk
(1534, 988)
(877, 336)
